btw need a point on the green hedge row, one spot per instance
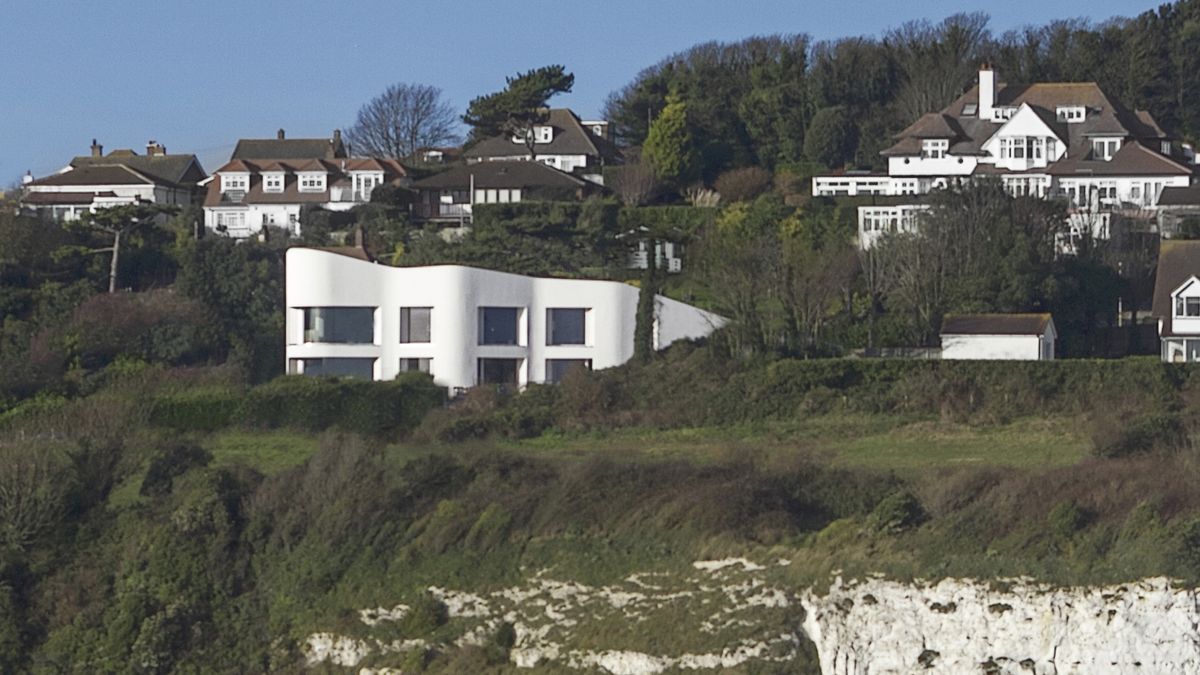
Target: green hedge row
(306, 403)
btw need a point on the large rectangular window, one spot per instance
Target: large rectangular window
(499, 325)
(343, 325)
(499, 371)
(415, 324)
(566, 326)
(335, 367)
(557, 369)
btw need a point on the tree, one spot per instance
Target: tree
(404, 118)
(831, 137)
(670, 148)
(121, 222)
(634, 183)
(520, 106)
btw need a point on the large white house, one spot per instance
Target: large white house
(1068, 140)
(269, 181)
(466, 326)
(1177, 300)
(122, 177)
(1017, 337)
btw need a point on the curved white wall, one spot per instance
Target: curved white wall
(323, 279)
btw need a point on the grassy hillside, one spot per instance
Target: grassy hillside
(171, 521)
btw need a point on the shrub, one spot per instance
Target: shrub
(897, 512)
(169, 463)
(318, 403)
(738, 185)
(426, 615)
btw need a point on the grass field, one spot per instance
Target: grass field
(880, 441)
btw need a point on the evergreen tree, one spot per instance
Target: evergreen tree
(670, 147)
(520, 106)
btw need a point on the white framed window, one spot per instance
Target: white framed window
(1187, 308)
(1105, 148)
(272, 182)
(232, 220)
(543, 134)
(934, 148)
(235, 182)
(1070, 113)
(312, 182)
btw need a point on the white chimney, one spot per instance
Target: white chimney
(987, 92)
(27, 178)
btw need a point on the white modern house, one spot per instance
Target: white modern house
(465, 326)
(1061, 139)
(1015, 337)
(1177, 300)
(122, 177)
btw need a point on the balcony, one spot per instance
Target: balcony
(640, 260)
(442, 211)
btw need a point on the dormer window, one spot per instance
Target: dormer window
(540, 134)
(1070, 113)
(235, 182)
(1105, 148)
(934, 148)
(1187, 308)
(272, 182)
(312, 182)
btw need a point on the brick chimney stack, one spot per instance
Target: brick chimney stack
(97, 149)
(279, 134)
(155, 149)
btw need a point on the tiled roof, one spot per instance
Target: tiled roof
(289, 148)
(1180, 196)
(108, 174)
(995, 324)
(63, 198)
(178, 169)
(1133, 159)
(504, 174)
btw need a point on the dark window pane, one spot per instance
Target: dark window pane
(557, 369)
(498, 325)
(340, 367)
(565, 326)
(417, 365)
(415, 324)
(499, 371)
(345, 325)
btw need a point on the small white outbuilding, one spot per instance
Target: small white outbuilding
(1015, 337)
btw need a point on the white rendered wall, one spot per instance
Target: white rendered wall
(322, 279)
(1000, 347)
(950, 165)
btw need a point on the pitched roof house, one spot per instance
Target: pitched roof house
(449, 195)
(1062, 139)
(244, 196)
(1021, 337)
(563, 142)
(1177, 300)
(121, 177)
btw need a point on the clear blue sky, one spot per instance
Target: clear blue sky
(196, 76)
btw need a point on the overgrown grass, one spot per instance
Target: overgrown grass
(267, 452)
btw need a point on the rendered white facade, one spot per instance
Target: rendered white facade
(1000, 347)
(451, 301)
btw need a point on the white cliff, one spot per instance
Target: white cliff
(880, 627)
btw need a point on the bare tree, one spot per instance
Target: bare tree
(937, 60)
(401, 120)
(31, 493)
(634, 183)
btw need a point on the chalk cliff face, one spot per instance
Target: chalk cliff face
(725, 613)
(880, 627)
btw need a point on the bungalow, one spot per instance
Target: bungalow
(465, 326)
(121, 177)
(448, 196)
(1018, 337)
(1177, 300)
